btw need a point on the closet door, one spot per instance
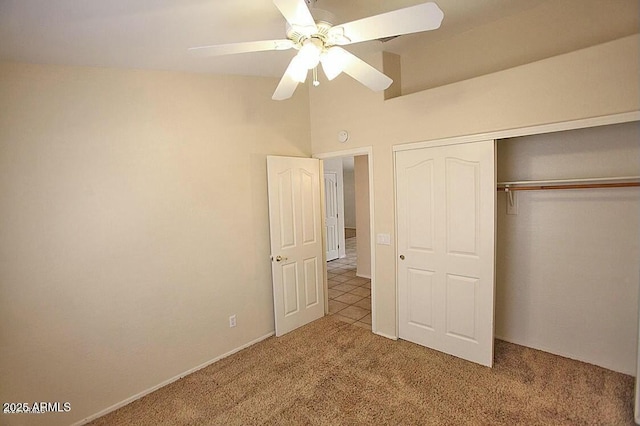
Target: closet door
(445, 204)
(331, 215)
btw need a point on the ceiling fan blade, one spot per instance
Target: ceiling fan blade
(297, 14)
(413, 19)
(294, 74)
(363, 72)
(233, 48)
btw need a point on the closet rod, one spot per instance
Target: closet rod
(586, 183)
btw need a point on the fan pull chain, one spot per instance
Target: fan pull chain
(316, 83)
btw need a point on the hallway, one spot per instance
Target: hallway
(349, 295)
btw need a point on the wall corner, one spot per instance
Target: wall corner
(391, 67)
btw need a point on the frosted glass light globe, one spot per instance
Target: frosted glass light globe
(309, 53)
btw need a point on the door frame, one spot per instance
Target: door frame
(368, 151)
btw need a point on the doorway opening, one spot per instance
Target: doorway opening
(348, 238)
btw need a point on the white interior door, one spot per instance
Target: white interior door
(331, 215)
(446, 236)
(296, 241)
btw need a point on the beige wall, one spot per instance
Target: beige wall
(542, 30)
(133, 222)
(363, 222)
(568, 263)
(349, 198)
(592, 82)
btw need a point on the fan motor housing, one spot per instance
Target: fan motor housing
(324, 21)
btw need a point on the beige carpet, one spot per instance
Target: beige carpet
(330, 372)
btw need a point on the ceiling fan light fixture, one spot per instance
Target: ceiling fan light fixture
(333, 62)
(309, 53)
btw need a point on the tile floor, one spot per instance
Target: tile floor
(349, 295)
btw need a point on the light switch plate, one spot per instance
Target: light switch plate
(384, 239)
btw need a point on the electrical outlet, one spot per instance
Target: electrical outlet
(232, 321)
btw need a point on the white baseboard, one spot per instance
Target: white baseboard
(168, 381)
(563, 354)
(363, 276)
(388, 336)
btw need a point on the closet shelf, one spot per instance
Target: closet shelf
(584, 183)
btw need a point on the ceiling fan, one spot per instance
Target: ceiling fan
(318, 41)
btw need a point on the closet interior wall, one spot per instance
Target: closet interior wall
(568, 263)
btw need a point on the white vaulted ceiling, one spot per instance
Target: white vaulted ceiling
(155, 34)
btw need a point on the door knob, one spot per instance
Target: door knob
(280, 258)
(402, 257)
